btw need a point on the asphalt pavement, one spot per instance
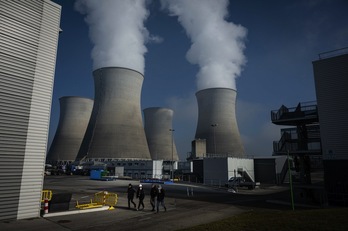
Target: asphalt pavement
(187, 205)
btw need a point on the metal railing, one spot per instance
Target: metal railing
(224, 155)
(243, 171)
(286, 136)
(308, 108)
(289, 139)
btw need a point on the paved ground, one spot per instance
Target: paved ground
(182, 214)
(187, 205)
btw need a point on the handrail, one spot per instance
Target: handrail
(224, 155)
(242, 170)
(289, 137)
(285, 137)
(309, 106)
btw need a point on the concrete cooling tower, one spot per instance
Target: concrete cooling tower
(75, 113)
(217, 122)
(116, 130)
(159, 134)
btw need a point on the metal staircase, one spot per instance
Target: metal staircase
(245, 174)
(303, 139)
(309, 142)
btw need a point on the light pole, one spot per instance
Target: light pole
(290, 182)
(214, 126)
(172, 130)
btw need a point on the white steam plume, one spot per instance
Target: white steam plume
(217, 45)
(116, 27)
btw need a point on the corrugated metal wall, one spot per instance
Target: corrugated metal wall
(331, 81)
(28, 44)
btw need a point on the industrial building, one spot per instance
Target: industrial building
(331, 81)
(135, 169)
(217, 150)
(29, 37)
(301, 140)
(317, 140)
(109, 131)
(218, 170)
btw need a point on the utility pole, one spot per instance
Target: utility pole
(172, 164)
(290, 182)
(214, 126)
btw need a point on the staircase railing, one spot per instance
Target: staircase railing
(245, 173)
(303, 108)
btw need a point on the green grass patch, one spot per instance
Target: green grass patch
(299, 220)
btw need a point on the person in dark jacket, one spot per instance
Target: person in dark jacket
(160, 198)
(130, 195)
(141, 196)
(153, 195)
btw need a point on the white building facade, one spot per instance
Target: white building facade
(28, 46)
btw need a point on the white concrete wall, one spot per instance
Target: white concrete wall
(217, 171)
(235, 163)
(280, 161)
(157, 168)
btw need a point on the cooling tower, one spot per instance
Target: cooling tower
(75, 113)
(217, 122)
(159, 133)
(115, 130)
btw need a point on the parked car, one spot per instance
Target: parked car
(234, 182)
(54, 170)
(48, 169)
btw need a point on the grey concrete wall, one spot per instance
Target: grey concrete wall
(199, 148)
(116, 130)
(161, 142)
(75, 113)
(217, 106)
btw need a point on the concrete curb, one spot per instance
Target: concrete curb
(75, 212)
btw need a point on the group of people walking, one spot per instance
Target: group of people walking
(157, 195)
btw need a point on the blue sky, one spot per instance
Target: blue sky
(282, 40)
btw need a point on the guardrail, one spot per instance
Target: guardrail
(46, 194)
(307, 108)
(102, 198)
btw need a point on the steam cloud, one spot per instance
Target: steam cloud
(116, 27)
(217, 45)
